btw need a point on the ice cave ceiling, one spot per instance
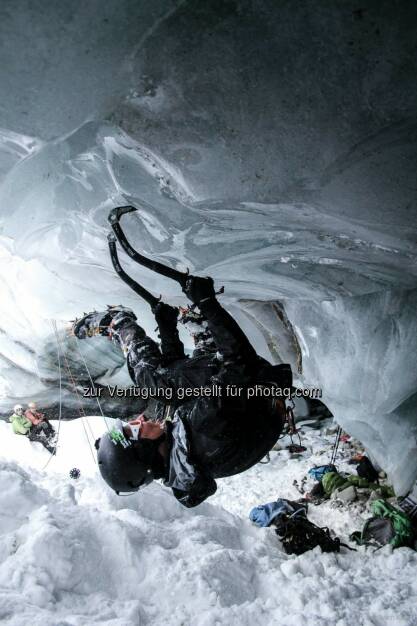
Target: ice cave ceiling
(271, 144)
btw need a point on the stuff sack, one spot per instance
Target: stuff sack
(388, 526)
(264, 514)
(318, 472)
(298, 535)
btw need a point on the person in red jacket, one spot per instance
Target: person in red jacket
(36, 417)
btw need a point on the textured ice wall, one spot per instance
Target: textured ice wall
(362, 351)
(272, 145)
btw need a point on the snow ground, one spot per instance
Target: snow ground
(73, 554)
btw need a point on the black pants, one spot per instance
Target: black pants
(42, 433)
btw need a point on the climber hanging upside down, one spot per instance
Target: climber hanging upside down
(199, 439)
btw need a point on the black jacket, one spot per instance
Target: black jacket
(209, 437)
(217, 437)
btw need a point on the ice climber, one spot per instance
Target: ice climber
(42, 430)
(198, 438)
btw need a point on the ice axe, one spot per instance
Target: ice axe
(181, 277)
(160, 268)
(137, 288)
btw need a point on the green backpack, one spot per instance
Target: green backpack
(388, 526)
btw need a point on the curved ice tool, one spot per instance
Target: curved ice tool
(160, 268)
(181, 277)
(137, 288)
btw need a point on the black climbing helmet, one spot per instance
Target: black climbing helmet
(125, 465)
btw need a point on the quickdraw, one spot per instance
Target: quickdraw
(292, 429)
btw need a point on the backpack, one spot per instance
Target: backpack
(298, 535)
(409, 506)
(388, 526)
(366, 470)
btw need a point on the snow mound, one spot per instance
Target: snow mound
(72, 553)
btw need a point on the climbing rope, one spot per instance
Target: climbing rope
(80, 408)
(58, 352)
(60, 380)
(92, 383)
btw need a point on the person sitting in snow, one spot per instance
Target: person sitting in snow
(38, 420)
(203, 437)
(41, 429)
(20, 423)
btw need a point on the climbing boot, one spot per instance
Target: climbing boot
(99, 322)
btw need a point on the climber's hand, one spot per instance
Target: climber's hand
(198, 288)
(165, 313)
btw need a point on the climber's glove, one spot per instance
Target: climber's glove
(165, 314)
(198, 289)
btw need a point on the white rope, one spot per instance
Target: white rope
(92, 383)
(84, 421)
(58, 352)
(60, 380)
(81, 409)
